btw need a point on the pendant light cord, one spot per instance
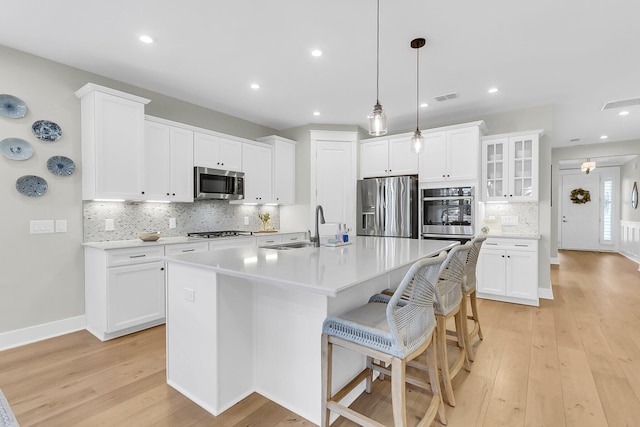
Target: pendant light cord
(378, 54)
(417, 89)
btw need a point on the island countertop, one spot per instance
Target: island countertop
(323, 270)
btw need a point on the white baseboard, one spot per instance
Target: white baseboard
(546, 293)
(554, 260)
(41, 332)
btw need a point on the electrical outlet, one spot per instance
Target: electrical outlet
(172, 223)
(109, 225)
(189, 294)
(246, 220)
(509, 220)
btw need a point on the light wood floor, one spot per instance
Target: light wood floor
(574, 361)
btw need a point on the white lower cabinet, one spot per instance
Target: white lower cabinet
(508, 271)
(135, 295)
(124, 290)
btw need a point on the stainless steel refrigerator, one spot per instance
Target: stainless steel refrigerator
(388, 207)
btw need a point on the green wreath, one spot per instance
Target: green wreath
(580, 196)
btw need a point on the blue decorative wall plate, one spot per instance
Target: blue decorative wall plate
(46, 130)
(16, 148)
(12, 107)
(31, 185)
(61, 165)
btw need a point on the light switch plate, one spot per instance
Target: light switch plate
(246, 220)
(61, 225)
(41, 226)
(109, 225)
(172, 223)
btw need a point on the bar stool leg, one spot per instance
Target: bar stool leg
(432, 367)
(474, 313)
(441, 342)
(327, 354)
(462, 337)
(464, 327)
(398, 391)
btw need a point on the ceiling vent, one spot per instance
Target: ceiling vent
(446, 97)
(610, 105)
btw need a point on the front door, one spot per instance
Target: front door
(579, 219)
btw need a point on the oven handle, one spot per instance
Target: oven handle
(448, 198)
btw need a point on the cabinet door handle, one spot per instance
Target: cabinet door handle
(188, 250)
(162, 269)
(491, 244)
(508, 256)
(293, 238)
(502, 256)
(137, 256)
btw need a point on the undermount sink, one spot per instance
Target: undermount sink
(288, 246)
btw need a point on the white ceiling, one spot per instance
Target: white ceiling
(574, 54)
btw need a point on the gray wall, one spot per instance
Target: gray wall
(596, 150)
(42, 277)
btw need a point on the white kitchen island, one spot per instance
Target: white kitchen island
(250, 319)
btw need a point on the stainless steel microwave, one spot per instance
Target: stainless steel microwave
(218, 184)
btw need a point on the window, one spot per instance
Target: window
(607, 210)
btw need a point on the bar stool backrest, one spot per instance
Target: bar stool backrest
(410, 310)
(469, 282)
(449, 285)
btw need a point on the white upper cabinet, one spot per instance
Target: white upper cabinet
(451, 153)
(390, 156)
(284, 169)
(168, 163)
(112, 143)
(258, 173)
(217, 152)
(510, 167)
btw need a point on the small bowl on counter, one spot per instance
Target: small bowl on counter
(149, 236)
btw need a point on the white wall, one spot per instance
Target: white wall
(629, 173)
(42, 276)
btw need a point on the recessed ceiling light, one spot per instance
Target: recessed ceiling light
(255, 86)
(623, 113)
(604, 137)
(424, 105)
(316, 52)
(493, 90)
(146, 39)
(316, 113)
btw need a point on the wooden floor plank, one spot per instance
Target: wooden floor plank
(574, 361)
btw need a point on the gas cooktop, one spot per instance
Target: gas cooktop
(216, 234)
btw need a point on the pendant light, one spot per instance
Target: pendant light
(417, 139)
(588, 166)
(378, 118)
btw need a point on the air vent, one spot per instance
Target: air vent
(621, 104)
(574, 140)
(446, 97)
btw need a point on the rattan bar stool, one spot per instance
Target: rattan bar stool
(448, 304)
(469, 294)
(390, 334)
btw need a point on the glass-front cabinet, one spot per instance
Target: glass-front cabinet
(510, 167)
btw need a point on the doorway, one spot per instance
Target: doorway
(589, 209)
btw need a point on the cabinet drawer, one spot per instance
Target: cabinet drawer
(185, 248)
(294, 237)
(134, 255)
(233, 242)
(511, 244)
(268, 240)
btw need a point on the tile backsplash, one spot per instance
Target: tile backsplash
(206, 215)
(526, 213)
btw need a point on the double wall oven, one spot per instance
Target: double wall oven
(448, 213)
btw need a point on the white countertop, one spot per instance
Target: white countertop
(324, 270)
(531, 236)
(137, 243)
